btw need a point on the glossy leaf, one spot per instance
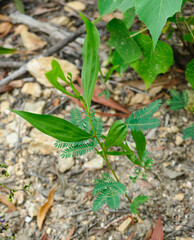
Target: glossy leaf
(189, 71)
(140, 142)
(7, 50)
(117, 133)
(152, 63)
(90, 60)
(155, 13)
(55, 127)
(120, 39)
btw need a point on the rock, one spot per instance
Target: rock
(38, 68)
(138, 98)
(124, 225)
(16, 84)
(11, 139)
(32, 88)
(172, 174)
(61, 20)
(179, 140)
(47, 92)
(33, 209)
(4, 106)
(179, 196)
(65, 164)
(96, 163)
(76, 5)
(35, 107)
(19, 197)
(172, 129)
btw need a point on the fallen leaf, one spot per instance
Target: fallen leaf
(131, 236)
(5, 28)
(45, 207)
(4, 18)
(40, 10)
(5, 201)
(71, 233)
(149, 234)
(158, 233)
(44, 237)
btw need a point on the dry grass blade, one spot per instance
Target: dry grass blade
(70, 233)
(45, 207)
(4, 200)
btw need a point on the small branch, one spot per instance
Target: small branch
(143, 30)
(11, 64)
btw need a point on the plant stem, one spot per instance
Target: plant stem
(188, 27)
(133, 35)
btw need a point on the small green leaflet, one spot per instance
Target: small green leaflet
(91, 62)
(189, 71)
(152, 63)
(19, 5)
(55, 127)
(189, 132)
(107, 190)
(117, 133)
(7, 50)
(177, 102)
(142, 119)
(136, 202)
(120, 39)
(154, 14)
(140, 142)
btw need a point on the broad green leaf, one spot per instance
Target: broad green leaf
(117, 133)
(19, 5)
(108, 6)
(154, 14)
(128, 17)
(177, 102)
(120, 39)
(55, 127)
(90, 60)
(140, 142)
(126, 4)
(117, 60)
(189, 132)
(7, 50)
(152, 63)
(113, 201)
(189, 71)
(188, 37)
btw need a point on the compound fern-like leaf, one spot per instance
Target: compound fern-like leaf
(177, 102)
(189, 132)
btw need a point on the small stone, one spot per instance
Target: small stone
(48, 231)
(110, 122)
(61, 20)
(35, 107)
(32, 88)
(138, 98)
(76, 5)
(16, 84)
(179, 196)
(96, 163)
(179, 140)
(33, 209)
(172, 129)
(65, 164)
(11, 139)
(47, 92)
(28, 219)
(19, 197)
(4, 106)
(124, 225)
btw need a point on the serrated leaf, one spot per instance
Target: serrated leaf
(119, 187)
(99, 201)
(189, 71)
(143, 124)
(100, 187)
(140, 142)
(55, 127)
(152, 63)
(113, 201)
(177, 102)
(7, 50)
(91, 62)
(117, 133)
(189, 132)
(155, 13)
(136, 202)
(120, 39)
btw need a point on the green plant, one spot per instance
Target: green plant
(178, 102)
(82, 135)
(146, 55)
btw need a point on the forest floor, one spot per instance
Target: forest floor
(32, 158)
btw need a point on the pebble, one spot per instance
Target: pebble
(172, 129)
(61, 20)
(65, 164)
(16, 84)
(33, 209)
(76, 5)
(179, 140)
(96, 163)
(124, 225)
(4, 106)
(179, 196)
(35, 107)
(32, 88)
(11, 139)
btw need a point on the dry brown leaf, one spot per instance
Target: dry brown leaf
(70, 233)
(45, 207)
(5, 28)
(5, 201)
(158, 233)
(4, 18)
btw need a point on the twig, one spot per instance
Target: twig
(11, 64)
(80, 183)
(58, 46)
(78, 213)
(55, 108)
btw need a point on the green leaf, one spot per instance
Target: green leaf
(110, 71)
(128, 17)
(99, 201)
(188, 37)
(140, 142)
(152, 63)
(148, 162)
(189, 132)
(177, 102)
(55, 127)
(130, 154)
(136, 202)
(7, 50)
(117, 133)
(90, 60)
(107, 6)
(120, 39)
(19, 5)
(143, 124)
(119, 188)
(117, 60)
(126, 4)
(113, 201)
(189, 71)
(155, 13)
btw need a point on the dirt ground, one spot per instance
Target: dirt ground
(32, 158)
